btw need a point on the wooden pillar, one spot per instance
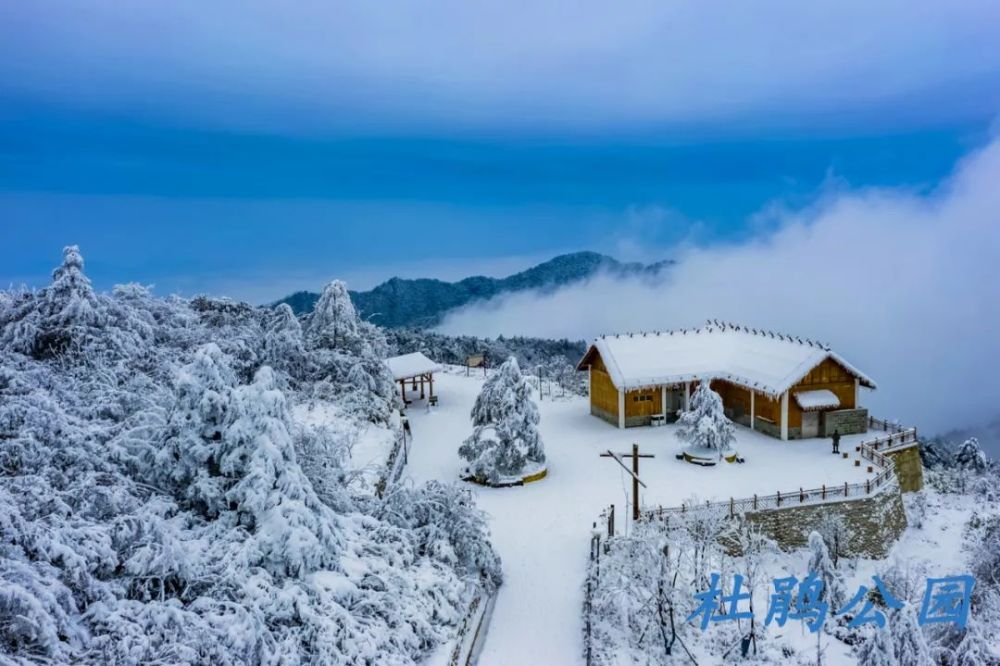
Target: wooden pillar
(621, 408)
(635, 482)
(784, 415)
(687, 396)
(752, 412)
(663, 401)
(430, 384)
(422, 387)
(402, 389)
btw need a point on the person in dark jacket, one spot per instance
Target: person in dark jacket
(836, 441)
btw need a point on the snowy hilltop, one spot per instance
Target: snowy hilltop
(159, 503)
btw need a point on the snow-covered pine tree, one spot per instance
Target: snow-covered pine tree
(821, 564)
(68, 316)
(970, 456)
(334, 321)
(877, 649)
(505, 417)
(505, 400)
(284, 344)
(908, 638)
(351, 354)
(704, 425)
(292, 531)
(189, 459)
(834, 532)
(974, 650)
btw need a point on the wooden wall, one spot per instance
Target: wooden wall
(603, 393)
(737, 399)
(828, 375)
(643, 402)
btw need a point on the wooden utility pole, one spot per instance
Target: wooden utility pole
(636, 482)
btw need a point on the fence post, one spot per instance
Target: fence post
(845, 488)
(779, 498)
(868, 486)
(755, 501)
(802, 495)
(731, 512)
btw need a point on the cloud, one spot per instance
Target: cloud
(588, 65)
(904, 284)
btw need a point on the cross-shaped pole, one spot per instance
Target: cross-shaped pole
(635, 455)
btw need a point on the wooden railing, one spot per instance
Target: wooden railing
(898, 438)
(869, 450)
(470, 630)
(394, 464)
(884, 425)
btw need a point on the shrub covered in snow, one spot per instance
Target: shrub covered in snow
(154, 507)
(505, 417)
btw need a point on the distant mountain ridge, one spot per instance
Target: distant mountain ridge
(423, 302)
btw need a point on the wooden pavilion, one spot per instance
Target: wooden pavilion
(416, 369)
(782, 385)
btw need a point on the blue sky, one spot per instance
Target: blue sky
(254, 149)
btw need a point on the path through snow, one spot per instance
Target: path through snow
(542, 530)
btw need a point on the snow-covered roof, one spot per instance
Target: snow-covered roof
(411, 365)
(763, 360)
(818, 399)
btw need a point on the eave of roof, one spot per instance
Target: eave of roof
(794, 376)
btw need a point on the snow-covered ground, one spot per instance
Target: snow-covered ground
(542, 530)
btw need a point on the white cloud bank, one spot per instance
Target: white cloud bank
(904, 285)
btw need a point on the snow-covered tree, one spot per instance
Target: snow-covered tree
(334, 321)
(820, 563)
(974, 650)
(293, 532)
(505, 400)
(704, 425)
(350, 354)
(833, 529)
(190, 457)
(153, 508)
(970, 456)
(505, 419)
(284, 344)
(908, 638)
(876, 649)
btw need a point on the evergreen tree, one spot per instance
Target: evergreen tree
(974, 650)
(284, 343)
(293, 532)
(877, 649)
(970, 456)
(821, 564)
(505, 418)
(203, 410)
(704, 425)
(908, 638)
(334, 322)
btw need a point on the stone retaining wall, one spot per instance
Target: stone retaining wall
(909, 469)
(846, 421)
(874, 523)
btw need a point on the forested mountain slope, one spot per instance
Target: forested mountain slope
(422, 302)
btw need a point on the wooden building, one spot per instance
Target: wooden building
(417, 370)
(782, 385)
